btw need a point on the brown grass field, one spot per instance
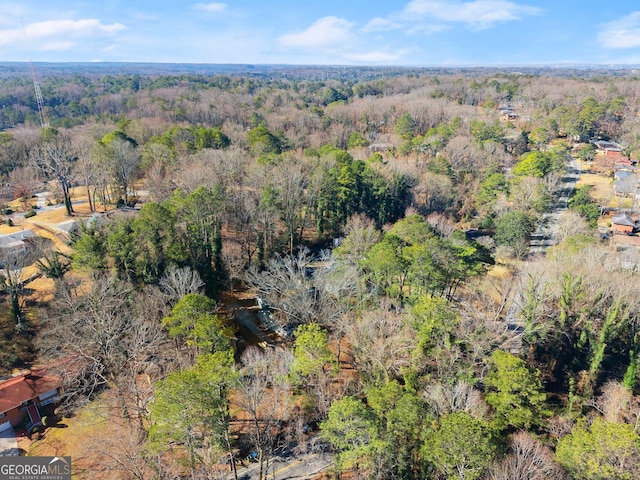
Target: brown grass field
(601, 185)
(87, 437)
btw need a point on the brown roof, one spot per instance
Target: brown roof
(626, 240)
(24, 387)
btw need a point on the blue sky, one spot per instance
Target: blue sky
(334, 32)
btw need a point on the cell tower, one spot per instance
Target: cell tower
(44, 122)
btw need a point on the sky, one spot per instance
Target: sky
(327, 32)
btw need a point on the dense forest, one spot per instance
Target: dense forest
(382, 220)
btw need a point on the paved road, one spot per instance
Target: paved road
(43, 207)
(544, 235)
(305, 466)
(8, 443)
(542, 238)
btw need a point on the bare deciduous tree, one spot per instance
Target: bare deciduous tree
(617, 404)
(299, 292)
(123, 162)
(108, 336)
(25, 182)
(444, 399)
(381, 343)
(528, 459)
(56, 158)
(264, 394)
(14, 273)
(178, 282)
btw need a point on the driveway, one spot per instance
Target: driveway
(303, 467)
(8, 443)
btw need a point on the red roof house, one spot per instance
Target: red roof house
(24, 395)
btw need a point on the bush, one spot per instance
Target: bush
(30, 213)
(9, 222)
(8, 211)
(582, 203)
(513, 228)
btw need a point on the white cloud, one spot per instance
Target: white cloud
(428, 28)
(325, 32)
(55, 34)
(88, 26)
(621, 33)
(210, 7)
(478, 15)
(381, 24)
(7, 37)
(59, 46)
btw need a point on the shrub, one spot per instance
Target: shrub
(8, 211)
(30, 213)
(9, 222)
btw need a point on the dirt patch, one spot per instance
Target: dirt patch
(96, 439)
(6, 229)
(47, 231)
(601, 185)
(499, 271)
(23, 205)
(41, 289)
(601, 164)
(57, 215)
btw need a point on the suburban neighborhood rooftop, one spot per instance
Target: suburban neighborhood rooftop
(24, 387)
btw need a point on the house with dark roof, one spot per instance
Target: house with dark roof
(625, 183)
(381, 147)
(622, 224)
(603, 146)
(624, 167)
(27, 396)
(627, 251)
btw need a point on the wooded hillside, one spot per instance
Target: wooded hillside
(283, 262)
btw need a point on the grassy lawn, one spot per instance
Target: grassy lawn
(6, 229)
(69, 437)
(89, 437)
(601, 185)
